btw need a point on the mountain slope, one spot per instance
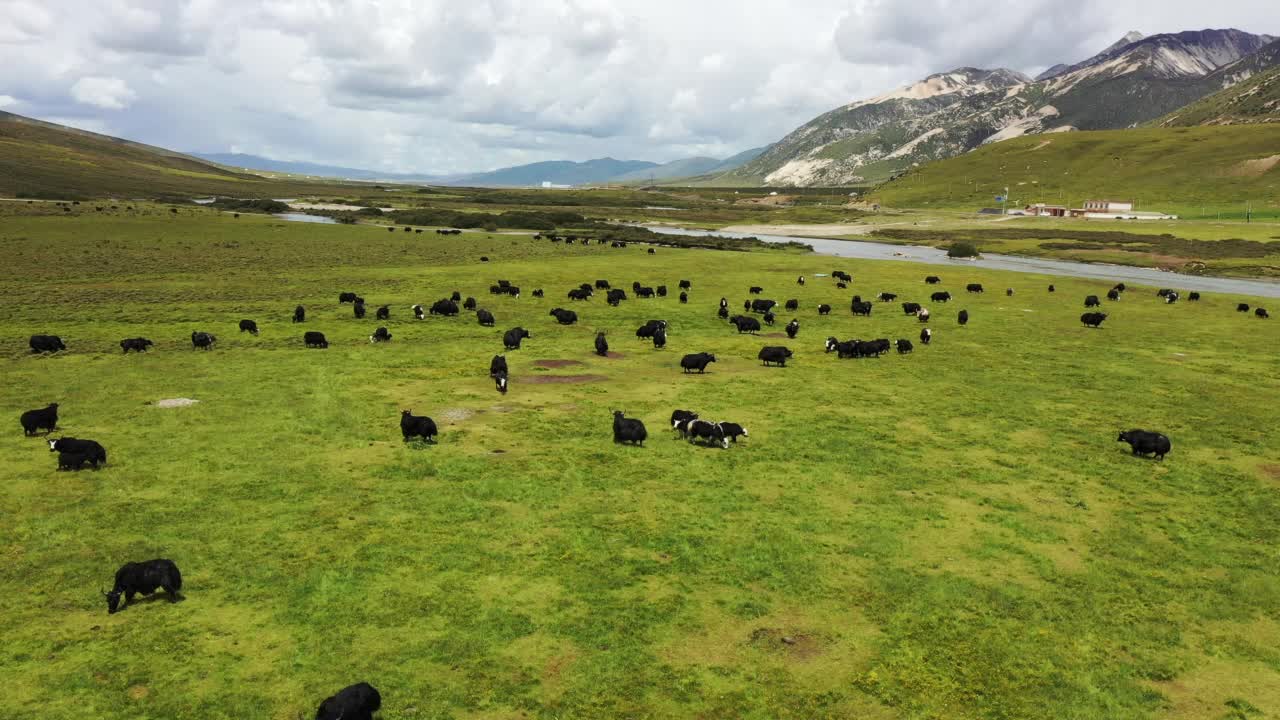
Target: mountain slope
(1251, 94)
(952, 113)
(265, 164)
(559, 172)
(43, 159)
(675, 169)
(1167, 169)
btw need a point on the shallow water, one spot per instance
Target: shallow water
(864, 250)
(303, 217)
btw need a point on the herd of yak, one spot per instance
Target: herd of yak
(362, 700)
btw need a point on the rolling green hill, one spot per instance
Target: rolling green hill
(1177, 170)
(1256, 100)
(41, 159)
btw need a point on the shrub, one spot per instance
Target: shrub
(962, 250)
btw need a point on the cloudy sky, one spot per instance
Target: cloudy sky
(442, 86)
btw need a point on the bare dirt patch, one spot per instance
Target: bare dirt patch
(797, 645)
(1254, 168)
(775, 335)
(137, 692)
(556, 363)
(1271, 472)
(615, 355)
(175, 402)
(564, 379)
(457, 414)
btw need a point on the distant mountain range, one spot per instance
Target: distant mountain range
(557, 172)
(1134, 81)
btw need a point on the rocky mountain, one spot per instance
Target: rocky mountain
(1135, 80)
(1251, 94)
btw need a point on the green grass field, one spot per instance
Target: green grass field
(1196, 173)
(950, 534)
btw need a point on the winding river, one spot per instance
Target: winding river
(864, 250)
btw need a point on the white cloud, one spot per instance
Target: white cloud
(8, 101)
(108, 93)
(448, 86)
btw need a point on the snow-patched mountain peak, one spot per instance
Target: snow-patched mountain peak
(961, 82)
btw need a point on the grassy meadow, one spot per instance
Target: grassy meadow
(954, 533)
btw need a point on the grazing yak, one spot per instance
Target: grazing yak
(1261, 313)
(706, 431)
(792, 304)
(842, 286)
(627, 430)
(650, 328)
(824, 309)
(963, 318)
(910, 308)
(1008, 292)
(923, 315)
(685, 285)
(383, 313)
(354, 702)
(769, 318)
(537, 292)
(1119, 286)
(500, 382)
(455, 296)
(249, 326)
(1193, 297)
(417, 426)
(904, 346)
(684, 297)
(313, 339)
(616, 296)
(1112, 294)
(1163, 292)
(887, 297)
(763, 306)
(1171, 298)
(418, 312)
(564, 317)
(696, 361)
(380, 335)
(143, 578)
(793, 327)
(484, 317)
(1092, 301)
(574, 294)
(358, 310)
(1093, 319)
(602, 284)
(940, 297)
(1143, 442)
(45, 418)
(652, 251)
(774, 355)
(644, 292)
(1052, 289)
(512, 338)
(445, 307)
(974, 288)
(469, 304)
(94, 452)
(346, 297)
(498, 365)
(841, 275)
(46, 343)
(755, 290)
(662, 291)
(861, 308)
(602, 345)
(723, 313)
(925, 336)
(135, 344)
(733, 431)
(73, 462)
(299, 314)
(682, 416)
(1242, 307)
(202, 341)
(660, 339)
(800, 280)
(932, 280)
(746, 324)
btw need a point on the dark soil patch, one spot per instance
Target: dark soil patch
(555, 363)
(775, 335)
(564, 379)
(797, 645)
(1272, 471)
(615, 355)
